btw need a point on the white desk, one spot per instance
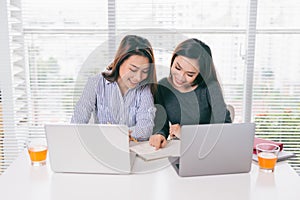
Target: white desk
(22, 181)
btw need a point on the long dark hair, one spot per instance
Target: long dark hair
(196, 49)
(132, 45)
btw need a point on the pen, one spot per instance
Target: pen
(174, 138)
(132, 139)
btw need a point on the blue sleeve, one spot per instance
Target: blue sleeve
(86, 103)
(145, 112)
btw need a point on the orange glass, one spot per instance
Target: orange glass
(37, 150)
(267, 156)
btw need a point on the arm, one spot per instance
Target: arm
(159, 137)
(161, 128)
(86, 103)
(144, 115)
(220, 114)
(161, 118)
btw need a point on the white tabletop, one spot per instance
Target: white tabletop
(22, 181)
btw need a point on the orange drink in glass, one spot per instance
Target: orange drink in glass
(267, 156)
(37, 150)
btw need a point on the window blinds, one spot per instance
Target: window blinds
(54, 46)
(13, 86)
(276, 88)
(1, 136)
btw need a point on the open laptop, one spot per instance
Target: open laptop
(215, 149)
(89, 148)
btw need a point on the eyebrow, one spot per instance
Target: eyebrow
(134, 66)
(190, 72)
(138, 67)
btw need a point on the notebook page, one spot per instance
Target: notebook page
(147, 152)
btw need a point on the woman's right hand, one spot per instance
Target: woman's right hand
(158, 141)
(175, 131)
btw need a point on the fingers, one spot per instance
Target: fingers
(157, 141)
(157, 145)
(151, 140)
(175, 130)
(164, 143)
(172, 135)
(172, 132)
(177, 134)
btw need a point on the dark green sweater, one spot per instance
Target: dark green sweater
(204, 105)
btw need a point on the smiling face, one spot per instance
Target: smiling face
(184, 71)
(133, 70)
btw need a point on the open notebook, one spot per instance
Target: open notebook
(147, 152)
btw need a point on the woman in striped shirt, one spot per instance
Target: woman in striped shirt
(123, 93)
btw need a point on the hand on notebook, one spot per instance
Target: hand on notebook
(175, 131)
(158, 141)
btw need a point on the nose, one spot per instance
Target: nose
(181, 76)
(139, 76)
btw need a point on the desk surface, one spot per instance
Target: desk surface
(22, 181)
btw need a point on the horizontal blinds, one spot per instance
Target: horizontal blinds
(45, 89)
(59, 67)
(65, 15)
(276, 93)
(193, 14)
(1, 136)
(13, 84)
(60, 44)
(276, 89)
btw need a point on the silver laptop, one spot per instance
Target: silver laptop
(215, 149)
(89, 148)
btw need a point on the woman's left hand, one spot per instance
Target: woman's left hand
(175, 130)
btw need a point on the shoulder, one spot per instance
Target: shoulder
(97, 80)
(164, 84)
(94, 83)
(214, 87)
(163, 81)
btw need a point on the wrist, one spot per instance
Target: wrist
(162, 136)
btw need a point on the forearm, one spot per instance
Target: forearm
(161, 121)
(141, 133)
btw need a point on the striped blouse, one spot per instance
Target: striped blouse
(104, 100)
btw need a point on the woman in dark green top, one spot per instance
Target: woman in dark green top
(190, 95)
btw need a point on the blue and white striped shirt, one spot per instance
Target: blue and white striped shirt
(104, 99)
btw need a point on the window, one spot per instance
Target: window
(53, 49)
(1, 136)
(276, 88)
